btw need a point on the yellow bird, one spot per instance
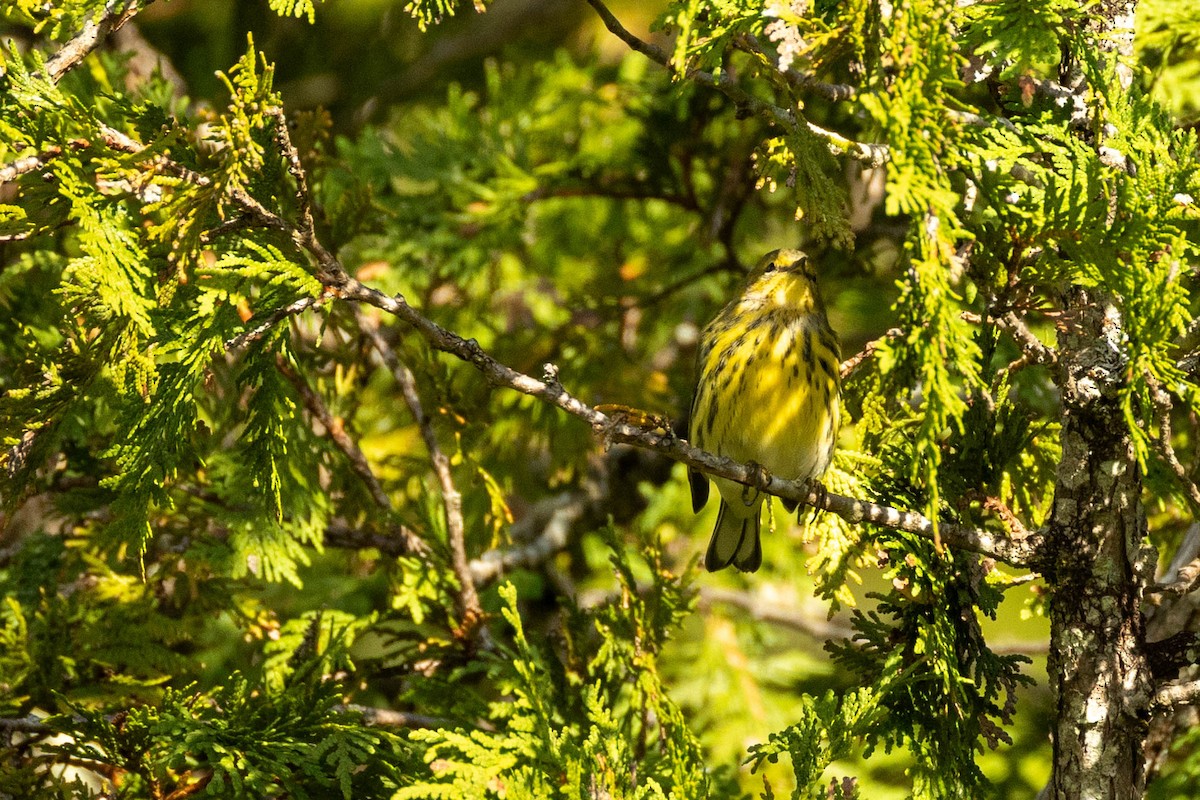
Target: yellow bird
(768, 392)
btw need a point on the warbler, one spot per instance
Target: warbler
(768, 392)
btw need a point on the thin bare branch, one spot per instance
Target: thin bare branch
(115, 14)
(1162, 443)
(1031, 346)
(1017, 552)
(555, 536)
(14, 169)
(270, 321)
(468, 598)
(651, 51)
(836, 92)
(30, 724)
(852, 363)
(305, 234)
(763, 610)
(336, 431)
(283, 138)
(873, 155)
(400, 541)
(1177, 693)
(396, 719)
(1183, 573)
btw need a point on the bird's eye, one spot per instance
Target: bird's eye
(771, 267)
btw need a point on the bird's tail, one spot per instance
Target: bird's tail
(735, 541)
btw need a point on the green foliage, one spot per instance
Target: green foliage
(57, 20)
(1182, 780)
(1167, 36)
(431, 12)
(295, 8)
(826, 731)
(937, 688)
(573, 724)
(1032, 35)
(241, 740)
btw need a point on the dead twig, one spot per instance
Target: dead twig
(468, 597)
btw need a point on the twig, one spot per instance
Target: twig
(395, 719)
(671, 288)
(468, 598)
(115, 14)
(1031, 346)
(1181, 693)
(1183, 573)
(836, 92)
(555, 536)
(653, 52)
(1035, 351)
(1188, 581)
(850, 364)
(873, 155)
(401, 541)
(240, 222)
(283, 138)
(305, 234)
(774, 613)
(1012, 525)
(13, 169)
(608, 491)
(1162, 443)
(30, 724)
(336, 431)
(612, 192)
(270, 321)
(1016, 552)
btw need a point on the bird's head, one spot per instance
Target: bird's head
(783, 277)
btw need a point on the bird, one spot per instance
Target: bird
(768, 392)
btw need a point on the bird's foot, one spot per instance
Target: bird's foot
(761, 478)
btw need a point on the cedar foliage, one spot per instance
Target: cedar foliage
(219, 597)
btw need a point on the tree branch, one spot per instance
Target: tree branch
(468, 598)
(653, 52)
(29, 724)
(398, 543)
(836, 92)
(115, 14)
(1181, 693)
(852, 363)
(396, 719)
(1017, 552)
(1031, 346)
(873, 155)
(1162, 443)
(304, 234)
(336, 432)
(271, 320)
(1183, 573)
(568, 510)
(773, 613)
(14, 169)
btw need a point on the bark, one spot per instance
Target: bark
(1098, 566)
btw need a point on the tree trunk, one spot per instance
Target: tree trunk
(1099, 566)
